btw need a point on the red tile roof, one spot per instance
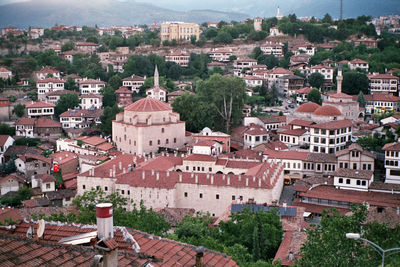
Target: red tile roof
(333, 125)
(43, 123)
(294, 132)
(91, 96)
(304, 90)
(3, 139)
(40, 104)
(162, 163)
(327, 110)
(373, 198)
(148, 104)
(197, 157)
(295, 155)
(340, 95)
(392, 147)
(358, 61)
(350, 173)
(83, 113)
(382, 97)
(91, 81)
(93, 140)
(308, 107)
(135, 248)
(51, 80)
(133, 78)
(280, 70)
(37, 157)
(123, 90)
(256, 130)
(86, 44)
(382, 76)
(322, 67)
(299, 122)
(46, 178)
(48, 70)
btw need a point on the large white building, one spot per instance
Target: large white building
(383, 83)
(221, 54)
(392, 160)
(147, 125)
(133, 83)
(330, 137)
(273, 48)
(179, 57)
(161, 182)
(91, 86)
(91, 101)
(40, 109)
(49, 85)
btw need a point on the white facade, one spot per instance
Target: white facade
(358, 64)
(40, 111)
(275, 49)
(91, 101)
(48, 85)
(392, 160)
(383, 83)
(221, 54)
(91, 86)
(133, 83)
(240, 64)
(330, 137)
(8, 141)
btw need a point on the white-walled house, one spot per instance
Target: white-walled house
(254, 136)
(91, 86)
(330, 137)
(40, 109)
(11, 183)
(207, 147)
(5, 142)
(91, 101)
(350, 179)
(46, 182)
(295, 137)
(46, 72)
(392, 160)
(49, 85)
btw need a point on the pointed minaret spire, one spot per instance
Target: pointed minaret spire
(156, 78)
(339, 79)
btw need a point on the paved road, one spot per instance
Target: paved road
(287, 194)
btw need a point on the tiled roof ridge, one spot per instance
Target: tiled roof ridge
(171, 241)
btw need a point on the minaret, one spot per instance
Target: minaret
(339, 79)
(156, 78)
(278, 14)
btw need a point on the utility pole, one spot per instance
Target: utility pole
(341, 9)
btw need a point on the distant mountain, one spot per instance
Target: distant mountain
(47, 13)
(267, 8)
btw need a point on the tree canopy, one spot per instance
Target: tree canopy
(66, 101)
(314, 96)
(327, 244)
(316, 80)
(354, 83)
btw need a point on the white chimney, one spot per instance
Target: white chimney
(180, 177)
(196, 179)
(143, 175)
(228, 181)
(247, 181)
(120, 165)
(212, 179)
(104, 215)
(157, 175)
(111, 172)
(167, 173)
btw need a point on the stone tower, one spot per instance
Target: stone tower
(257, 24)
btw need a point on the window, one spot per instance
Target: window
(162, 130)
(217, 196)
(83, 187)
(364, 183)
(186, 194)
(166, 141)
(358, 182)
(105, 188)
(233, 197)
(48, 186)
(210, 169)
(174, 140)
(128, 192)
(44, 164)
(150, 143)
(158, 142)
(187, 168)
(347, 181)
(354, 166)
(340, 180)
(123, 192)
(201, 195)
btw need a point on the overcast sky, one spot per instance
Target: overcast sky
(267, 8)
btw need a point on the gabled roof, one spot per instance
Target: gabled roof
(91, 81)
(40, 104)
(123, 90)
(294, 132)
(293, 155)
(358, 61)
(148, 104)
(135, 248)
(304, 90)
(133, 78)
(36, 157)
(299, 122)
(3, 139)
(280, 70)
(321, 67)
(43, 122)
(91, 96)
(392, 147)
(86, 44)
(51, 80)
(382, 76)
(48, 70)
(382, 97)
(333, 125)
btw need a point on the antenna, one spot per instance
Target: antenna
(341, 9)
(40, 229)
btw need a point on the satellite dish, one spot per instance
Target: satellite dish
(40, 229)
(29, 233)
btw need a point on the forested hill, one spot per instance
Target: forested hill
(47, 13)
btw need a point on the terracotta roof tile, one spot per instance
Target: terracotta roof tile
(148, 105)
(308, 107)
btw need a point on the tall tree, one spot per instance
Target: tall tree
(67, 101)
(109, 98)
(361, 99)
(19, 110)
(316, 80)
(354, 82)
(115, 82)
(70, 84)
(314, 96)
(226, 96)
(108, 116)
